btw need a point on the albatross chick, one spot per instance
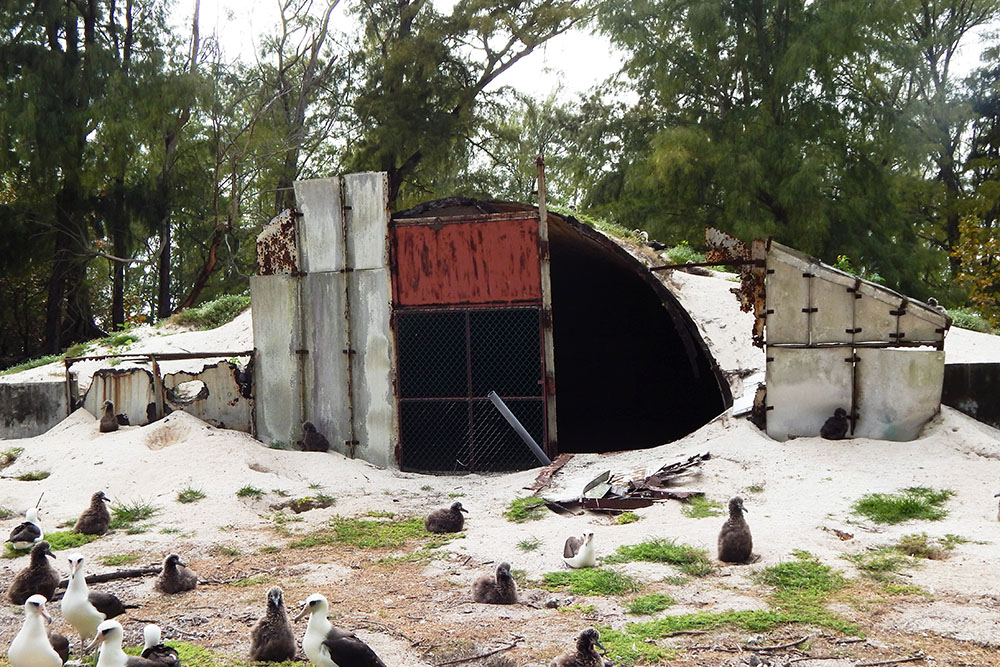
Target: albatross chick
(835, 428)
(272, 639)
(26, 534)
(175, 577)
(584, 655)
(155, 650)
(31, 647)
(498, 590)
(96, 519)
(446, 520)
(108, 420)
(313, 440)
(579, 551)
(39, 578)
(327, 646)
(735, 541)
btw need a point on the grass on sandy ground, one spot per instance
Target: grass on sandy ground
(33, 476)
(116, 560)
(529, 544)
(190, 495)
(589, 581)
(530, 508)
(650, 604)
(212, 314)
(372, 533)
(249, 491)
(700, 507)
(127, 516)
(625, 517)
(9, 455)
(883, 564)
(689, 560)
(58, 541)
(915, 502)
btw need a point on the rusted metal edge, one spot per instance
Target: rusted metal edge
(458, 219)
(544, 477)
(161, 356)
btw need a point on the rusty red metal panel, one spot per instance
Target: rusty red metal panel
(466, 262)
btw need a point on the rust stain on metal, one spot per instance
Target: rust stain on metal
(473, 263)
(725, 248)
(545, 476)
(276, 251)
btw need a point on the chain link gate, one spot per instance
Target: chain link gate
(448, 361)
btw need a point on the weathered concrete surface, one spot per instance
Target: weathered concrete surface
(975, 390)
(31, 408)
(277, 381)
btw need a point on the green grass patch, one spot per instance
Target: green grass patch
(530, 508)
(456, 495)
(919, 545)
(33, 476)
(879, 564)
(9, 455)
(803, 582)
(126, 515)
(190, 495)
(115, 560)
(757, 487)
(915, 502)
(380, 514)
(606, 226)
(58, 541)
(700, 507)
(224, 550)
(120, 339)
(590, 581)
(529, 544)
(249, 491)
(368, 533)
(32, 363)
(251, 581)
(904, 589)
(212, 314)
(626, 517)
(582, 609)
(281, 493)
(194, 655)
(6, 513)
(689, 560)
(650, 604)
(626, 649)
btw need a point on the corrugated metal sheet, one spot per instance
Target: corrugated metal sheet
(130, 389)
(223, 405)
(466, 261)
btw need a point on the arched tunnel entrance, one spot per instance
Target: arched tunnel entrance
(628, 365)
(631, 369)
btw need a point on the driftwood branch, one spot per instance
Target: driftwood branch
(778, 647)
(815, 657)
(897, 661)
(480, 656)
(119, 574)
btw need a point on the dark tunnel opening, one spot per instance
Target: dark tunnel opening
(626, 378)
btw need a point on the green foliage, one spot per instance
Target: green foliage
(251, 581)
(6, 513)
(844, 264)
(9, 455)
(590, 581)
(33, 476)
(919, 545)
(916, 502)
(120, 339)
(700, 507)
(126, 515)
(249, 491)
(967, 318)
(802, 583)
(627, 649)
(879, 564)
(689, 560)
(529, 544)
(213, 313)
(626, 517)
(190, 495)
(32, 363)
(367, 534)
(683, 253)
(226, 550)
(650, 604)
(530, 508)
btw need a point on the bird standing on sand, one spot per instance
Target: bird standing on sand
(313, 440)
(39, 578)
(579, 551)
(496, 590)
(108, 420)
(449, 520)
(31, 647)
(272, 639)
(327, 646)
(85, 609)
(175, 577)
(155, 650)
(584, 655)
(96, 519)
(735, 541)
(26, 534)
(109, 639)
(835, 428)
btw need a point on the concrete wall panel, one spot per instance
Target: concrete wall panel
(898, 391)
(804, 387)
(28, 409)
(834, 306)
(326, 339)
(787, 295)
(321, 224)
(368, 222)
(276, 337)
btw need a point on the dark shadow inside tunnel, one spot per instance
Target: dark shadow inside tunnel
(631, 370)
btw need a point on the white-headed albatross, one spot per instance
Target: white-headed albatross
(579, 551)
(85, 609)
(327, 646)
(31, 647)
(25, 535)
(109, 639)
